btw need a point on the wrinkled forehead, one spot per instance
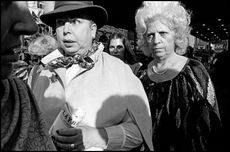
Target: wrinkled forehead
(116, 42)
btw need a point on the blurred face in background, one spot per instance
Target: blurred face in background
(16, 20)
(117, 48)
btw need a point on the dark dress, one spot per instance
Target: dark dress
(184, 110)
(221, 80)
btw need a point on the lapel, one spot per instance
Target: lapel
(60, 73)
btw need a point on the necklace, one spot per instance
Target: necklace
(159, 73)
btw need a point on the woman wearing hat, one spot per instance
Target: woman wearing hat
(99, 87)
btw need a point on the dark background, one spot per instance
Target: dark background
(122, 15)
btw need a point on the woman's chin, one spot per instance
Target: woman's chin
(158, 54)
(73, 52)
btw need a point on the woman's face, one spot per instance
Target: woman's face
(117, 48)
(75, 36)
(160, 39)
(16, 20)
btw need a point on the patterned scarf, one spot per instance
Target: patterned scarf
(67, 61)
(22, 125)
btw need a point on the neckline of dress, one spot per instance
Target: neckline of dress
(159, 73)
(183, 68)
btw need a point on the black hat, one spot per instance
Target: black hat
(96, 13)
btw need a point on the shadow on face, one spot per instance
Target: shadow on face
(16, 21)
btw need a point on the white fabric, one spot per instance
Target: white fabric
(71, 72)
(104, 92)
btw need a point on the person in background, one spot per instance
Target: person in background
(100, 88)
(119, 47)
(182, 97)
(37, 49)
(22, 125)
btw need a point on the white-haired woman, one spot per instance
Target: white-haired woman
(181, 94)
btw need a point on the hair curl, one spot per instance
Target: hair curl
(177, 19)
(43, 45)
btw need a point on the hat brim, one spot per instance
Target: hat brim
(97, 13)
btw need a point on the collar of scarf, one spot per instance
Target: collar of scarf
(66, 61)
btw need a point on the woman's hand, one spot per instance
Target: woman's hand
(80, 138)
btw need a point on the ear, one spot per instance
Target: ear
(93, 30)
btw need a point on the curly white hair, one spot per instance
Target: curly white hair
(173, 12)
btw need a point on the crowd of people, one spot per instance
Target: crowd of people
(75, 95)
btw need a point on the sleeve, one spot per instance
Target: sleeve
(124, 136)
(214, 142)
(204, 85)
(207, 131)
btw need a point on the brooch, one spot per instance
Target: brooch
(53, 77)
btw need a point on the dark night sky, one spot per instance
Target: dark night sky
(121, 15)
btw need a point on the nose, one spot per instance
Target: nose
(156, 38)
(66, 28)
(115, 50)
(26, 25)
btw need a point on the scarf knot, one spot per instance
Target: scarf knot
(66, 62)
